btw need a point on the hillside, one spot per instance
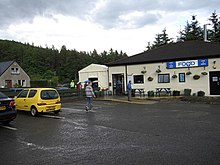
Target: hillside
(52, 64)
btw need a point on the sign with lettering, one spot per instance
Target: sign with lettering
(187, 64)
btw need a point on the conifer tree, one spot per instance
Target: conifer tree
(192, 30)
(215, 23)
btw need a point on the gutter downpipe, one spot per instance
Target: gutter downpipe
(126, 77)
(108, 77)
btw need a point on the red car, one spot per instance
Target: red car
(7, 109)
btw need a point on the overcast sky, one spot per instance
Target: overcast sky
(85, 25)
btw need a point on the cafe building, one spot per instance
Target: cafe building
(189, 67)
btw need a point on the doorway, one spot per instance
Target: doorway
(214, 79)
(95, 84)
(118, 84)
(8, 83)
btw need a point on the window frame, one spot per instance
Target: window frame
(163, 78)
(15, 70)
(32, 93)
(135, 79)
(182, 77)
(49, 95)
(23, 94)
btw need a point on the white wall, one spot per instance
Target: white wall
(116, 70)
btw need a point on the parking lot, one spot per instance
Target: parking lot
(115, 133)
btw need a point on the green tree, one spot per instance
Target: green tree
(192, 31)
(49, 64)
(214, 34)
(160, 40)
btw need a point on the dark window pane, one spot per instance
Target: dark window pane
(32, 93)
(182, 77)
(49, 94)
(23, 94)
(2, 95)
(138, 79)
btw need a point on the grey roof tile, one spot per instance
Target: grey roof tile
(4, 66)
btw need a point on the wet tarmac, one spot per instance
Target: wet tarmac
(115, 132)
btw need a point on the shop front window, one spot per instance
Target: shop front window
(138, 79)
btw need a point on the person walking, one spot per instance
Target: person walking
(129, 88)
(89, 96)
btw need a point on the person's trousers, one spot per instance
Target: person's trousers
(89, 102)
(129, 95)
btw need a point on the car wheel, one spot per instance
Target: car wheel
(56, 112)
(34, 111)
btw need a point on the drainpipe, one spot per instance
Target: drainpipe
(126, 76)
(108, 78)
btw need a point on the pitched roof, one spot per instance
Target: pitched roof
(4, 66)
(174, 51)
(94, 67)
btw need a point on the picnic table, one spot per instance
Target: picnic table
(163, 89)
(139, 90)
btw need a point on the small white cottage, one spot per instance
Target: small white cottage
(96, 73)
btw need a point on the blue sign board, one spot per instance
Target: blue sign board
(187, 64)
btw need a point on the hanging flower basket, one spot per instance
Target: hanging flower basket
(188, 73)
(158, 70)
(204, 73)
(196, 77)
(150, 78)
(174, 76)
(143, 71)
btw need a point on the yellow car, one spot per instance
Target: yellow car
(38, 100)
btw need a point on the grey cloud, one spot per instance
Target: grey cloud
(109, 15)
(14, 11)
(189, 5)
(113, 20)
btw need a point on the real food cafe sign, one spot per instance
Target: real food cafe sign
(187, 64)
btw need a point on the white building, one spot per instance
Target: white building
(95, 73)
(177, 66)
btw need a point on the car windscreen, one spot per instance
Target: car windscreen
(2, 96)
(49, 94)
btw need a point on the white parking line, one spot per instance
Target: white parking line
(79, 110)
(8, 127)
(72, 109)
(54, 117)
